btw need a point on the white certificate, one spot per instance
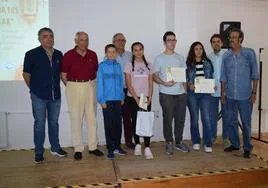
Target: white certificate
(203, 85)
(143, 102)
(176, 74)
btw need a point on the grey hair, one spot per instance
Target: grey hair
(44, 29)
(115, 35)
(79, 33)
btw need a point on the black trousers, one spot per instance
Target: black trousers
(134, 108)
(113, 124)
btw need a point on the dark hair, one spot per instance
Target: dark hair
(241, 33)
(133, 57)
(168, 33)
(109, 46)
(216, 35)
(44, 29)
(190, 62)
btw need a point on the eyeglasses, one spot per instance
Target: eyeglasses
(171, 40)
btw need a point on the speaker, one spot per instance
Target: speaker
(225, 28)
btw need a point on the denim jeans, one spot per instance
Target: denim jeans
(195, 102)
(113, 124)
(214, 110)
(43, 109)
(244, 107)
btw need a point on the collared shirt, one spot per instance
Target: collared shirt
(123, 60)
(80, 67)
(237, 72)
(216, 60)
(45, 73)
(161, 63)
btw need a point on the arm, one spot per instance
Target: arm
(254, 76)
(27, 77)
(122, 84)
(64, 78)
(189, 84)
(158, 80)
(27, 68)
(100, 89)
(64, 69)
(223, 92)
(151, 89)
(223, 81)
(254, 91)
(130, 88)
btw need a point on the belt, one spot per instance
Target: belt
(73, 80)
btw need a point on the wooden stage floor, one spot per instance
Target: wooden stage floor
(194, 169)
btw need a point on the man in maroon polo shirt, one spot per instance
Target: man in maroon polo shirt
(78, 73)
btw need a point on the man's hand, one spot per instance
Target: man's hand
(122, 102)
(252, 98)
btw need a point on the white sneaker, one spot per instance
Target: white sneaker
(137, 150)
(148, 154)
(207, 149)
(196, 147)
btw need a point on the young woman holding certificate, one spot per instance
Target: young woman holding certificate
(199, 67)
(139, 80)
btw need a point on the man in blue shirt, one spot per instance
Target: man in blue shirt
(239, 78)
(216, 59)
(41, 72)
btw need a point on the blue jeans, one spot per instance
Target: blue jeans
(214, 110)
(244, 107)
(195, 102)
(42, 109)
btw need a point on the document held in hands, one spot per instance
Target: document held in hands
(143, 102)
(203, 85)
(176, 74)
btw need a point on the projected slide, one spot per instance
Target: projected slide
(20, 21)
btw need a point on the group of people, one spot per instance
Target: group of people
(118, 82)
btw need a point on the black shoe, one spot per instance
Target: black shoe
(39, 159)
(96, 152)
(247, 154)
(130, 145)
(78, 156)
(231, 148)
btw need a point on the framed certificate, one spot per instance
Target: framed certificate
(176, 74)
(203, 85)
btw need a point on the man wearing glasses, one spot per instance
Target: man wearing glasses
(124, 57)
(239, 81)
(172, 95)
